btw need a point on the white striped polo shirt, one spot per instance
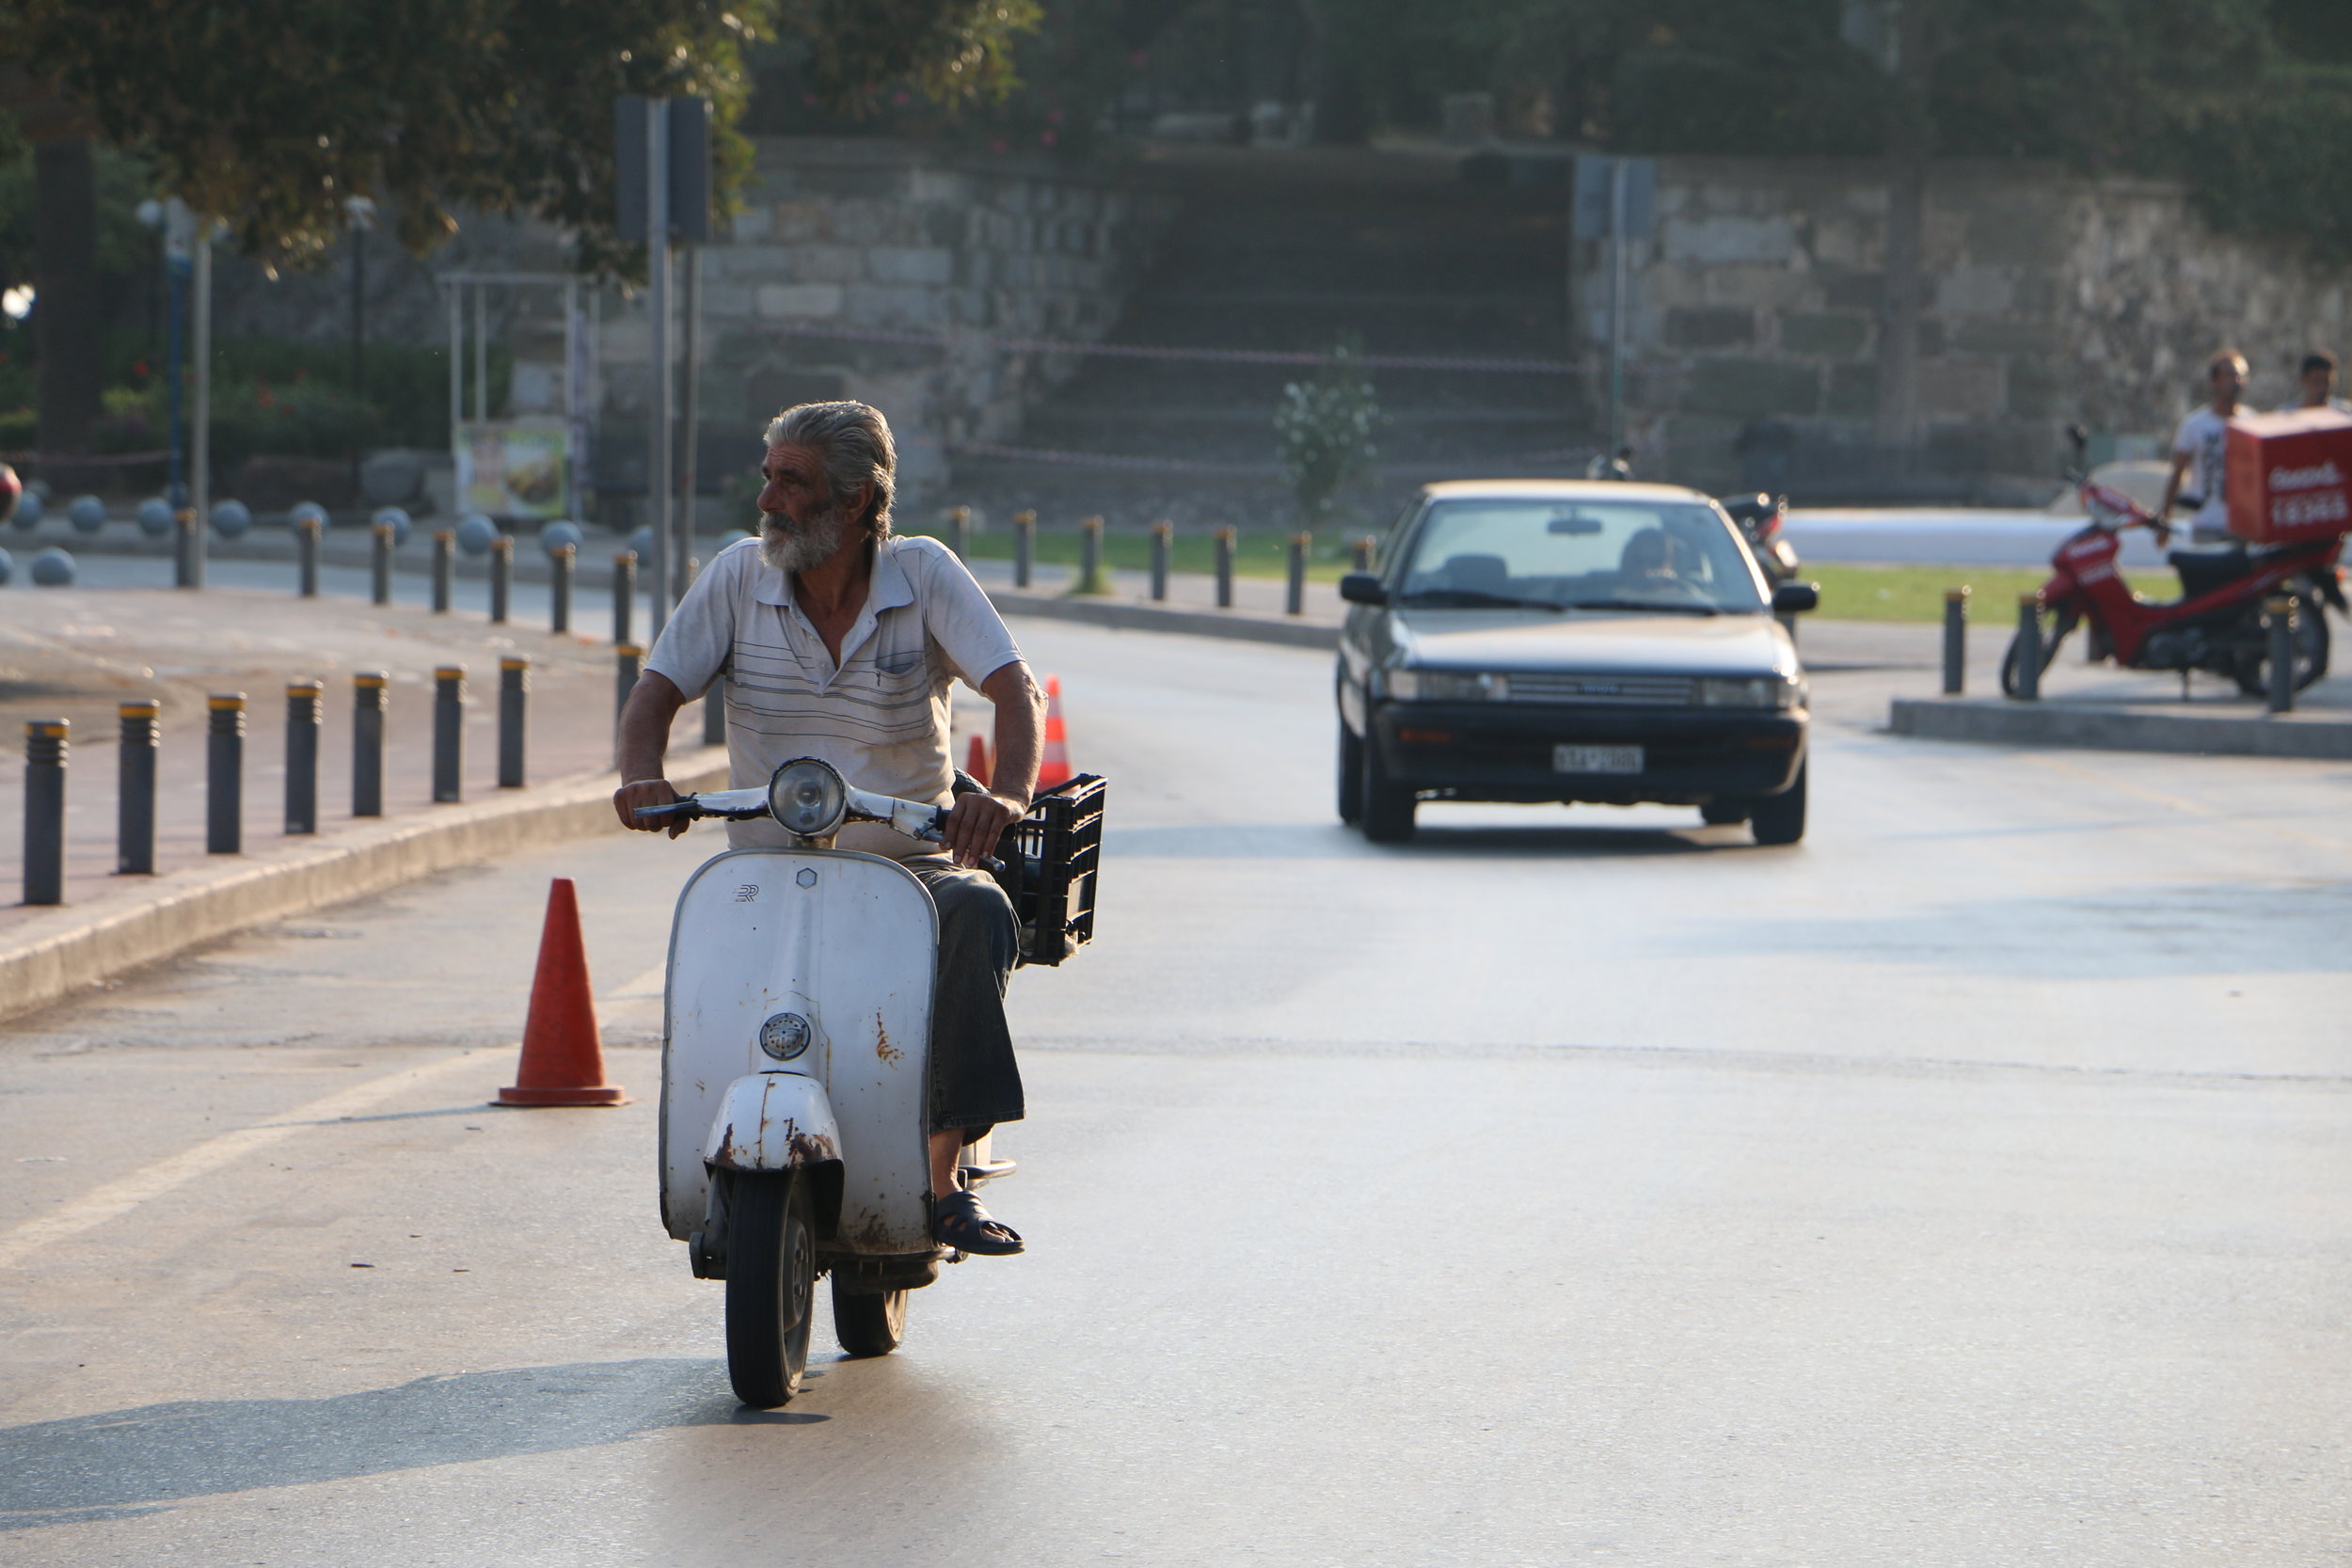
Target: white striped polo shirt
(880, 716)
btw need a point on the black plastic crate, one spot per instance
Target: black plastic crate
(1051, 864)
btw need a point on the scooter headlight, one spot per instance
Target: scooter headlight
(807, 798)
(784, 1036)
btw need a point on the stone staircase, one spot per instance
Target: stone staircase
(1287, 250)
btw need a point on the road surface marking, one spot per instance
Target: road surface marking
(126, 1192)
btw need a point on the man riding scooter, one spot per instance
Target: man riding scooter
(838, 639)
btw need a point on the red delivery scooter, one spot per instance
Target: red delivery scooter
(2217, 624)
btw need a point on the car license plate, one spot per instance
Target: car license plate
(1596, 759)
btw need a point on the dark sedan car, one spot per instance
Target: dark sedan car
(1559, 641)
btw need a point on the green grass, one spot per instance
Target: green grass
(1912, 594)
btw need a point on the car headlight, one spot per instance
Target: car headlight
(1448, 685)
(807, 798)
(1750, 691)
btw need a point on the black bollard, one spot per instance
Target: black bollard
(501, 576)
(444, 569)
(514, 691)
(715, 712)
(1090, 556)
(223, 775)
(1024, 546)
(184, 555)
(135, 789)
(45, 746)
(368, 694)
(2279, 621)
(1359, 553)
(307, 557)
(2029, 648)
(560, 587)
(1955, 641)
(960, 532)
(624, 594)
(380, 566)
(1294, 590)
(302, 756)
(1225, 568)
(1163, 533)
(628, 658)
(448, 732)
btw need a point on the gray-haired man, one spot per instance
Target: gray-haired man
(838, 640)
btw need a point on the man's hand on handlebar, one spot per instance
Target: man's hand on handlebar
(648, 792)
(975, 824)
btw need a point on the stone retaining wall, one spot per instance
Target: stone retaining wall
(2050, 299)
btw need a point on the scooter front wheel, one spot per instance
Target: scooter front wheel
(2054, 632)
(772, 1287)
(868, 1322)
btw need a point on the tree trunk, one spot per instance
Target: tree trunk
(66, 305)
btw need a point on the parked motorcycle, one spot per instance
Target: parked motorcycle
(2216, 624)
(1760, 518)
(795, 1055)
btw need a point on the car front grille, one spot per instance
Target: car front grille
(1602, 690)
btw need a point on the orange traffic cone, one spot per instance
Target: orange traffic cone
(1055, 769)
(976, 763)
(562, 1055)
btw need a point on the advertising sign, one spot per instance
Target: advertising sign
(519, 468)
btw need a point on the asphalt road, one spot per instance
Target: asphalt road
(1965, 1186)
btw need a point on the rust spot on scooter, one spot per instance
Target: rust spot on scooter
(812, 1149)
(882, 1048)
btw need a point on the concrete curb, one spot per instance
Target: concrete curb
(2109, 727)
(41, 966)
(1127, 615)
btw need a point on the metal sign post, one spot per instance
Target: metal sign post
(1616, 203)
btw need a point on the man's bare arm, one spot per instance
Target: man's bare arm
(2172, 484)
(977, 821)
(645, 720)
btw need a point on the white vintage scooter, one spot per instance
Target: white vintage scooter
(795, 1057)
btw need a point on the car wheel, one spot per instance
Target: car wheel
(1780, 818)
(1351, 776)
(1388, 807)
(1723, 813)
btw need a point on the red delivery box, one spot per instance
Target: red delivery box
(2290, 476)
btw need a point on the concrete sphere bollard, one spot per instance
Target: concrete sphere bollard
(154, 516)
(232, 519)
(8, 567)
(29, 508)
(306, 511)
(53, 568)
(476, 533)
(403, 526)
(642, 543)
(88, 514)
(557, 534)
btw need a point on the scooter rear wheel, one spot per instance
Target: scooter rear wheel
(772, 1287)
(868, 1322)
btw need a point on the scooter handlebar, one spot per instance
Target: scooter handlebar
(917, 820)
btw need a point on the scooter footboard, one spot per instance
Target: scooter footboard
(772, 1121)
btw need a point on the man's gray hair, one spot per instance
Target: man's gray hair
(852, 440)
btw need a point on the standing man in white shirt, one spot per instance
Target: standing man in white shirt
(836, 638)
(2198, 448)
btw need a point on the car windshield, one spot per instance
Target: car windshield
(1654, 557)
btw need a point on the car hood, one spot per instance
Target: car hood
(1589, 640)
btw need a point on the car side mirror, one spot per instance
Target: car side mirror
(1363, 588)
(1795, 598)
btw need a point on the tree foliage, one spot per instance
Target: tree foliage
(1323, 428)
(270, 114)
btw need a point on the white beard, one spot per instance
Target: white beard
(790, 546)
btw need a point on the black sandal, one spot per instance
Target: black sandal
(958, 1221)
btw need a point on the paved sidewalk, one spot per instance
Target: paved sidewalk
(76, 653)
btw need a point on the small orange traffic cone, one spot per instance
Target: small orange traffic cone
(1055, 768)
(975, 762)
(562, 1055)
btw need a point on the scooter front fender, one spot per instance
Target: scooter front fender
(772, 1121)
